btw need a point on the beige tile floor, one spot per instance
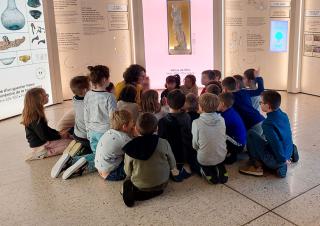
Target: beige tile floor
(28, 196)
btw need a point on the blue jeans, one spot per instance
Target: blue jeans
(260, 150)
(117, 174)
(94, 138)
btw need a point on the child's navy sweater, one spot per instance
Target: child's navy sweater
(277, 131)
(243, 104)
(234, 126)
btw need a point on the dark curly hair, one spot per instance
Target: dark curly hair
(97, 73)
(132, 74)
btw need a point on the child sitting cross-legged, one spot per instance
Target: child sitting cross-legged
(148, 161)
(109, 155)
(274, 149)
(235, 129)
(209, 140)
(175, 127)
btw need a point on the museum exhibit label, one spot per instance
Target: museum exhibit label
(24, 62)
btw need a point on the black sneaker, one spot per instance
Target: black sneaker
(127, 193)
(184, 174)
(223, 174)
(295, 154)
(76, 169)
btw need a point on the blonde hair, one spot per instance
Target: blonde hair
(209, 102)
(120, 118)
(33, 109)
(150, 102)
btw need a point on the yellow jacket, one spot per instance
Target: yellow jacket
(119, 87)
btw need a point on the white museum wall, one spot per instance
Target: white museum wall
(310, 79)
(91, 34)
(247, 39)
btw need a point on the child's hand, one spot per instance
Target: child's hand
(164, 101)
(257, 72)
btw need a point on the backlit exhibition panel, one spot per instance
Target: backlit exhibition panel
(178, 38)
(257, 35)
(24, 62)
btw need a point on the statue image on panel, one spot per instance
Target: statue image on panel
(179, 27)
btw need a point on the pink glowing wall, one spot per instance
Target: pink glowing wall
(159, 63)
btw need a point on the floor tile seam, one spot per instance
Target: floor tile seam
(283, 218)
(297, 196)
(228, 186)
(256, 218)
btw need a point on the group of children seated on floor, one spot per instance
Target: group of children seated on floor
(126, 133)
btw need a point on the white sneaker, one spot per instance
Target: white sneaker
(37, 155)
(76, 168)
(61, 164)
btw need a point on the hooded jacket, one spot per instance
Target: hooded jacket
(148, 161)
(209, 139)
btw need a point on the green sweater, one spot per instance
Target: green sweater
(148, 161)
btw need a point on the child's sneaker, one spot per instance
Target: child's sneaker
(223, 174)
(75, 149)
(295, 154)
(210, 179)
(282, 171)
(252, 170)
(37, 155)
(127, 193)
(76, 169)
(184, 174)
(63, 163)
(69, 147)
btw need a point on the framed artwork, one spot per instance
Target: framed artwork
(179, 27)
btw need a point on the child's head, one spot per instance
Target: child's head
(190, 81)
(249, 77)
(121, 120)
(217, 74)
(150, 101)
(226, 101)
(207, 76)
(134, 74)
(239, 80)
(99, 76)
(214, 89)
(147, 124)
(208, 102)
(176, 99)
(33, 109)
(80, 85)
(191, 103)
(229, 84)
(270, 101)
(128, 94)
(172, 82)
(110, 88)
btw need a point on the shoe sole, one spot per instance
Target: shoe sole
(251, 173)
(72, 169)
(69, 147)
(57, 168)
(36, 155)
